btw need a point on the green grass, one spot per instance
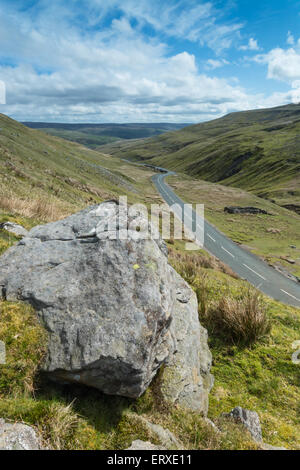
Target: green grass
(261, 377)
(254, 150)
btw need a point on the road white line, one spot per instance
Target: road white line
(211, 237)
(227, 251)
(254, 272)
(293, 297)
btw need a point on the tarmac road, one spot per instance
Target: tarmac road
(245, 264)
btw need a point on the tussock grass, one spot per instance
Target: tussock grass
(237, 319)
(188, 264)
(41, 209)
(240, 320)
(59, 425)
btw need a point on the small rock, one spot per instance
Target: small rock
(273, 230)
(244, 210)
(144, 445)
(249, 419)
(18, 437)
(165, 436)
(288, 260)
(16, 229)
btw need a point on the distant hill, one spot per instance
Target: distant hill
(93, 135)
(256, 150)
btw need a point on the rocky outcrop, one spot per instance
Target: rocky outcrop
(249, 419)
(115, 310)
(16, 229)
(18, 437)
(244, 210)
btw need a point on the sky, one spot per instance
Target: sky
(146, 60)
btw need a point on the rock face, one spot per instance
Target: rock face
(249, 419)
(115, 310)
(17, 437)
(187, 371)
(244, 210)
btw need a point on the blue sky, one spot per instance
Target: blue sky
(147, 60)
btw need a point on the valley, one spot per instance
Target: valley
(257, 151)
(45, 178)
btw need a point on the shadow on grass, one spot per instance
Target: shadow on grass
(103, 412)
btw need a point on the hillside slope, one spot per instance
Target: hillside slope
(47, 177)
(254, 150)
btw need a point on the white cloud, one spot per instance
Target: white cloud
(113, 73)
(202, 23)
(251, 46)
(283, 65)
(212, 64)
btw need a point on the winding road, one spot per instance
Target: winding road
(245, 264)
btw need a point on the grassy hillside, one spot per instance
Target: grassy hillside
(46, 178)
(93, 135)
(255, 150)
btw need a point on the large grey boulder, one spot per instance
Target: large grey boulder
(115, 310)
(18, 437)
